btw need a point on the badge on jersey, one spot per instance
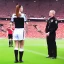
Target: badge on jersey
(56, 22)
(51, 20)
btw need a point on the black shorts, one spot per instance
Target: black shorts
(10, 36)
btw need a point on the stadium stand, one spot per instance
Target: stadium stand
(32, 32)
(33, 9)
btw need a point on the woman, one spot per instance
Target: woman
(18, 35)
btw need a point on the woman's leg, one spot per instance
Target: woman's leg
(16, 51)
(9, 42)
(21, 51)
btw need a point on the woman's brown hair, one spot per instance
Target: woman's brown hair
(17, 10)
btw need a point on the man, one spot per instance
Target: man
(10, 32)
(51, 27)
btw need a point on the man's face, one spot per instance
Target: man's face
(10, 24)
(51, 14)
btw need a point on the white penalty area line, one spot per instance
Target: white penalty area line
(58, 46)
(38, 53)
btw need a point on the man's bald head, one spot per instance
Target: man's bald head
(52, 13)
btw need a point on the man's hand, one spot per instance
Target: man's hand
(26, 22)
(47, 34)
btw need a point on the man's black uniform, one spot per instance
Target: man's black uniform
(52, 25)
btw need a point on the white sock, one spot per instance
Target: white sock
(21, 50)
(16, 49)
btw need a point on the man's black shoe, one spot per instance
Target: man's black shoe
(21, 61)
(53, 57)
(16, 62)
(48, 57)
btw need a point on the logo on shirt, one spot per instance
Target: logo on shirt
(51, 20)
(56, 22)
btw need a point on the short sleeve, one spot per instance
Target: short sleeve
(25, 17)
(12, 18)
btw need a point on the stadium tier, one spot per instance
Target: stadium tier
(32, 32)
(33, 8)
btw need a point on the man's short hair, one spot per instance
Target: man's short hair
(53, 12)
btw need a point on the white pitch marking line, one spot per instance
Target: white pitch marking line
(41, 53)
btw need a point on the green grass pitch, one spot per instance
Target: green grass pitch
(35, 52)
